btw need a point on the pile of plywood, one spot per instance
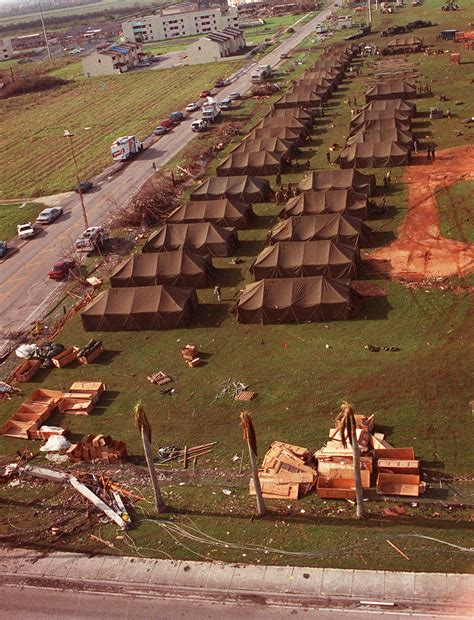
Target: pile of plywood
(287, 472)
(98, 447)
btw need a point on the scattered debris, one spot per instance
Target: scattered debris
(231, 388)
(190, 355)
(186, 454)
(159, 378)
(55, 443)
(245, 395)
(227, 491)
(99, 447)
(90, 352)
(397, 549)
(375, 349)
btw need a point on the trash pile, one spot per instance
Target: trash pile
(288, 472)
(235, 389)
(53, 354)
(43, 353)
(167, 454)
(90, 352)
(98, 447)
(28, 419)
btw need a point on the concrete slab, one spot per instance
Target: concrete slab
(65, 563)
(111, 569)
(306, 581)
(399, 586)
(137, 570)
(277, 579)
(87, 568)
(164, 573)
(220, 576)
(247, 577)
(38, 566)
(460, 588)
(12, 559)
(337, 582)
(430, 586)
(192, 574)
(368, 585)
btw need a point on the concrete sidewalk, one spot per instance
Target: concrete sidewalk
(203, 579)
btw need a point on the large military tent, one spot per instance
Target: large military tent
(270, 145)
(245, 189)
(140, 308)
(223, 212)
(300, 99)
(339, 179)
(409, 107)
(368, 118)
(315, 202)
(381, 135)
(391, 90)
(295, 300)
(302, 115)
(382, 124)
(374, 155)
(180, 268)
(296, 259)
(260, 163)
(202, 237)
(284, 133)
(334, 226)
(404, 45)
(293, 123)
(332, 75)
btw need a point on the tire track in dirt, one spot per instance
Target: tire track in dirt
(420, 251)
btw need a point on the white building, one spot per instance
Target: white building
(178, 20)
(216, 45)
(113, 60)
(6, 49)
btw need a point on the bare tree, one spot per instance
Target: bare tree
(249, 435)
(348, 430)
(143, 425)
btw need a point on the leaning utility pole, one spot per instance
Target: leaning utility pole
(369, 5)
(44, 31)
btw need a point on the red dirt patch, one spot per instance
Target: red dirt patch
(420, 252)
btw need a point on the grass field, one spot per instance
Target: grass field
(109, 107)
(456, 213)
(420, 395)
(13, 214)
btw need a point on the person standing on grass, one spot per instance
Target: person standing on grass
(388, 177)
(218, 293)
(448, 113)
(328, 157)
(308, 164)
(153, 165)
(289, 188)
(433, 151)
(415, 145)
(278, 179)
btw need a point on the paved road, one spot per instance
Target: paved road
(47, 604)
(25, 292)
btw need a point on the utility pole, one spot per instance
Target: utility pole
(369, 4)
(44, 31)
(68, 134)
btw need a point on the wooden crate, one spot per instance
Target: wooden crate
(399, 484)
(26, 370)
(88, 359)
(65, 357)
(398, 466)
(75, 406)
(395, 453)
(335, 470)
(335, 488)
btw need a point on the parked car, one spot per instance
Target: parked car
(176, 117)
(62, 269)
(418, 23)
(3, 248)
(220, 83)
(47, 216)
(160, 130)
(235, 95)
(85, 186)
(167, 123)
(26, 231)
(204, 93)
(192, 107)
(199, 125)
(144, 63)
(226, 104)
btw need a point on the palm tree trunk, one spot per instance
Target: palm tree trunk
(261, 508)
(159, 501)
(357, 476)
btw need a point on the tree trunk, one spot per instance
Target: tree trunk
(357, 477)
(261, 509)
(159, 502)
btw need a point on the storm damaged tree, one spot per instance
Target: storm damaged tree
(151, 205)
(143, 425)
(347, 427)
(249, 435)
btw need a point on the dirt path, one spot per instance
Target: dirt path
(420, 252)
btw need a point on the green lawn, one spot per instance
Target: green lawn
(456, 213)
(12, 215)
(97, 110)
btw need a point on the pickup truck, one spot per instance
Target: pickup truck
(26, 231)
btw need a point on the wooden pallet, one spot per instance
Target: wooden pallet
(245, 395)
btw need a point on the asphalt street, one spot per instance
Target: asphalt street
(26, 294)
(49, 604)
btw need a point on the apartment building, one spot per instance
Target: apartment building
(216, 45)
(113, 60)
(179, 20)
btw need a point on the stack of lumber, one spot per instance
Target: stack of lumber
(398, 472)
(99, 447)
(287, 472)
(190, 355)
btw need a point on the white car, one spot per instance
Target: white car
(233, 96)
(47, 216)
(26, 231)
(199, 125)
(192, 107)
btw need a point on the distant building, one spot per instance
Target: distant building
(178, 20)
(29, 42)
(113, 60)
(216, 45)
(6, 49)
